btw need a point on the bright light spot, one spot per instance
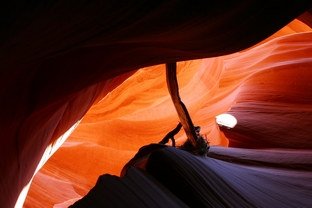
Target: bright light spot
(226, 120)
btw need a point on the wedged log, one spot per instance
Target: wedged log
(173, 87)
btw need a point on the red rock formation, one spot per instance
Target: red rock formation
(58, 60)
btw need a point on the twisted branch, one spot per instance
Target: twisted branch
(185, 119)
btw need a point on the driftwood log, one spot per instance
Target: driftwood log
(185, 119)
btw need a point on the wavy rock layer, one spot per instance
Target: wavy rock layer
(97, 68)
